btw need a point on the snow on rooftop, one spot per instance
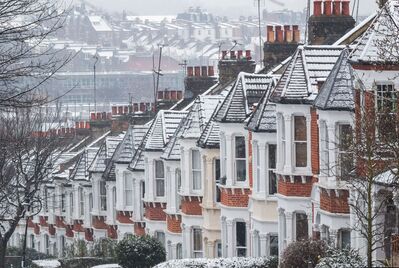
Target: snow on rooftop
(99, 24)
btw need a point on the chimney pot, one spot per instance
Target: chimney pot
(190, 71)
(93, 116)
(248, 54)
(224, 54)
(211, 71)
(337, 7)
(296, 34)
(197, 71)
(279, 34)
(287, 34)
(232, 55)
(204, 71)
(345, 7)
(328, 7)
(270, 34)
(317, 8)
(239, 54)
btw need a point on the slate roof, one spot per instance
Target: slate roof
(210, 137)
(193, 125)
(263, 119)
(104, 154)
(131, 141)
(378, 42)
(308, 66)
(80, 171)
(337, 93)
(248, 90)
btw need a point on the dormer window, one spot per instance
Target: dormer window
(300, 141)
(159, 179)
(196, 169)
(240, 159)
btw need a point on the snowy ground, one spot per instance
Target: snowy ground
(213, 263)
(107, 266)
(47, 263)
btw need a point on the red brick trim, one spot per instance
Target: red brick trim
(99, 223)
(155, 211)
(89, 234)
(43, 221)
(300, 186)
(124, 217)
(334, 201)
(112, 232)
(314, 138)
(237, 197)
(191, 205)
(139, 228)
(174, 223)
(51, 229)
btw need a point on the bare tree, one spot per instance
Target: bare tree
(373, 148)
(27, 60)
(29, 147)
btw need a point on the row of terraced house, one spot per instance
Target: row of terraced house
(244, 169)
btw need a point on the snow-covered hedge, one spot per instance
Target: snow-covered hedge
(341, 258)
(224, 263)
(46, 263)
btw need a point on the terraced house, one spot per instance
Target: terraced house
(257, 161)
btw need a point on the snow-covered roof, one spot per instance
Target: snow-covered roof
(99, 24)
(133, 137)
(104, 154)
(308, 66)
(337, 93)
(210, 137)
(389, 177)
(263, 119)
(247, 91)
(80, 171)
(193, 125)
(379, 42)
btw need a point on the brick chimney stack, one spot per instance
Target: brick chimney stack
(281, 43)
(329, 22)
(229, 68)
(199, 79)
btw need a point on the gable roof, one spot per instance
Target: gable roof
(104, 154)
(308, 66)
(263, 119)
(193, 125)
(248, 90)
(378, 44)
(162, 128)
(131, 141)
(337, 93)
(80, 171)
(210, 137)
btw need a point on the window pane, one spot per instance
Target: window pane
(300, 128)
(160, 187)
(345, 239)
(272, 182)
(345, 137)
(159, 170)
(196, 162)
(217, 169)
(179, 251)
(301, 226)
(197, 239)
(241, 170)
(240, 147)
(196, 180)
(300, 154)
(273, 245)
(272, 156)
(241, 234)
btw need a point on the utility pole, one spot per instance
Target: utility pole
(95, 86)
(158, 72)
(260, 35)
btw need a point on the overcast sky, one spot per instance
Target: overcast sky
(219, 7)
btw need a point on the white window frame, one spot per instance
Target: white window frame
(325, 150)
(127, 191)
(103, 195)
(197, 253)
(81, 202)
(159, 179)
(256, 154)
(196, 179)
(298, 142)
(283, 142)
(270, 244)
(237, 248)
(339, 151)
(270, 169)
(240, 159)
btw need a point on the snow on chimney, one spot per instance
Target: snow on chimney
(248, 54)
(317, 7)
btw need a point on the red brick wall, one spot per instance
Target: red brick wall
(238, 198)
(69, 231)
(139, 229)
(124, 217)
(155, 211)
(89, 234)
(59, 222)
(78, 226)
(314, 139)
(51, 229)
(43, 220)
(174, 223)
(99, 223)
(330, 202)
(112, 232)
(191, 206)
(250, 167)
(297, 188)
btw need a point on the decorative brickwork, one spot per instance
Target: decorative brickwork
(235, 197)
(139, 228)
(59, 222)
(69, 231)
(124, 217)
(43, 221)
(78, 226)
(296, 188)
(155, 211)
(329, 201)
(99, 223)
(314, 138)
(112, 232)
(51, 229)
(191, 205)
(174, 223)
